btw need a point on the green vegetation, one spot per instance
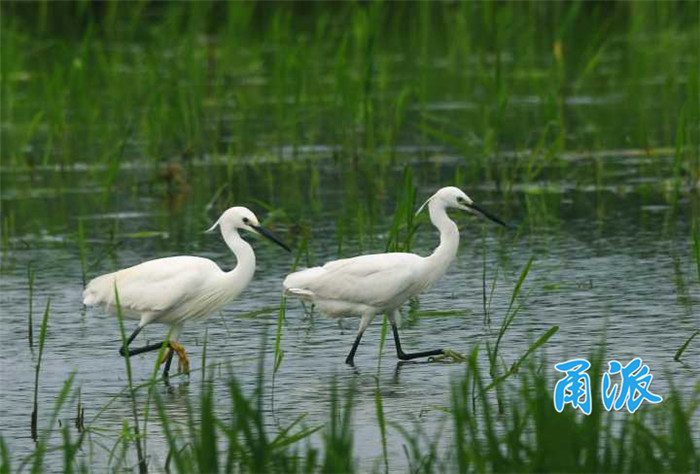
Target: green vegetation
(30, 316)
(215, 81)
(501, 419)
(530, 96)
(42, 340)
(127, 126)
(141, 457)
(524, 434)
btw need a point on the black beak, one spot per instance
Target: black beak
(483, 212)
(266, 233)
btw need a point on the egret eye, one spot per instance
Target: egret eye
(460, 200)
(245, 220)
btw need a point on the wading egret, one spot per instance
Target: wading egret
(174, 290)
(371, 284)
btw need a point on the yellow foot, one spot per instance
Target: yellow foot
(183, 363)
(448, 355)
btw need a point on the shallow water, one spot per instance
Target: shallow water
(609, 268)
(576, 150)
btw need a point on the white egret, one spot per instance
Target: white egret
(174, 290)
(371, 284)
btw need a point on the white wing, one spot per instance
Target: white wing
(380, 280)
(154, 286)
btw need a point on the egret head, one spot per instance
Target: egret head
(240, 217)
(452, 197)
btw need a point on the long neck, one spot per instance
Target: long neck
(449, 241)
(240, 276)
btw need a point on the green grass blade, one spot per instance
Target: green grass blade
(681, 350)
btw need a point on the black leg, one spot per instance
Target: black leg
(138, 350)
(350, 359)
(364, 322)
(415, 355)
(144, 349)
(131, 339)
(168, 361)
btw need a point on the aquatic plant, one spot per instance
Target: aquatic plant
(519, 432)
(42, 340)
(337, 116)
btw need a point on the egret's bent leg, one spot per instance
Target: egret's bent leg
(399, 352)
(168, 360)
(142, 350)
(366, 318)
(125, 351)
(130, 340)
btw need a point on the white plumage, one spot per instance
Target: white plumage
(173, 290)
(372, 284)
(368, 283)
(166, 290)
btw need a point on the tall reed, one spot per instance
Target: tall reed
(42, 340)
(30, 323)
(143, 467)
